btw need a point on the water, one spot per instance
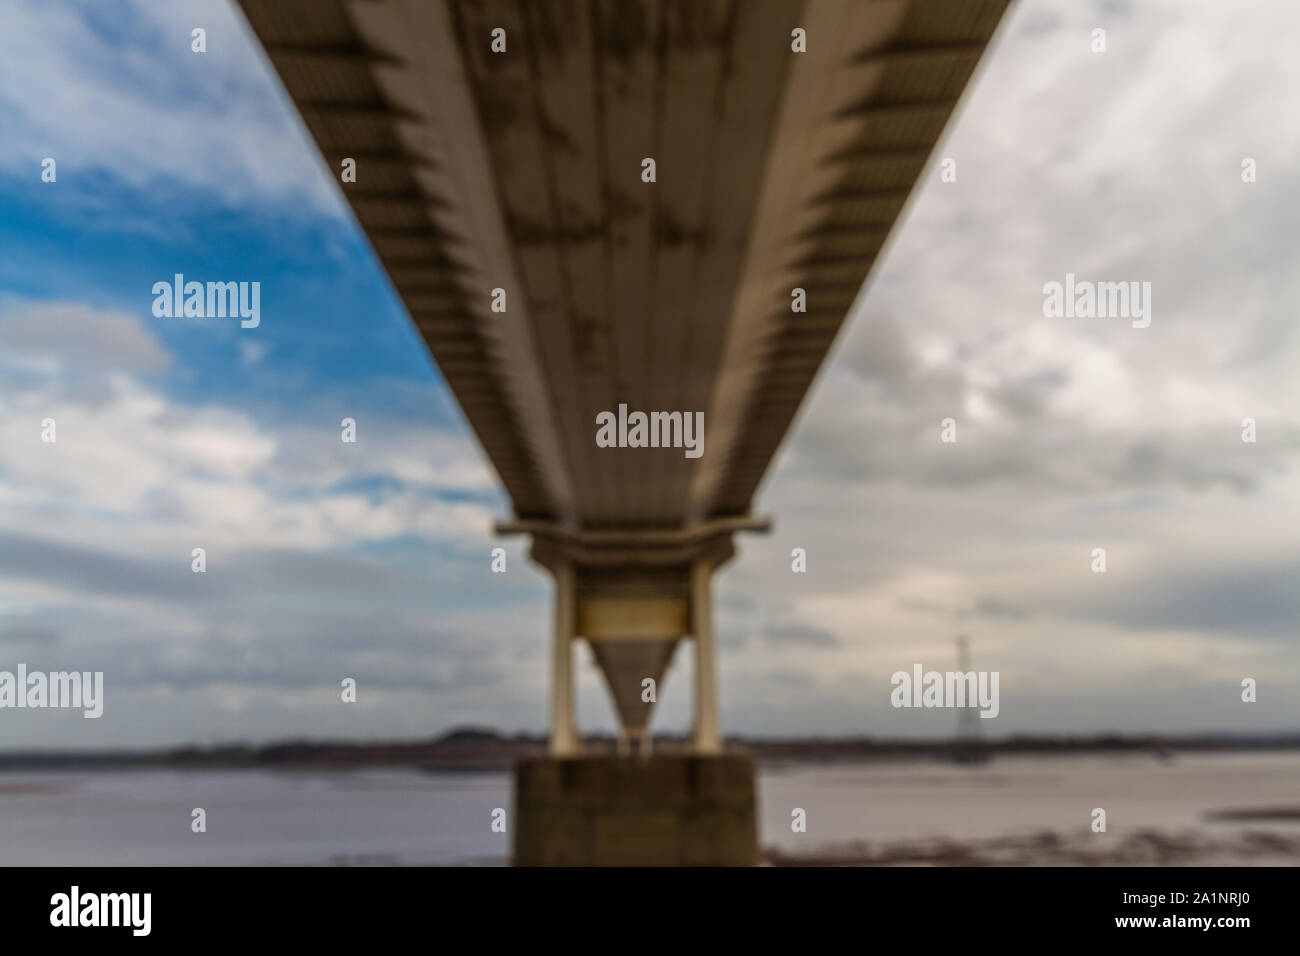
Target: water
(1039, 810)
(1014, 810)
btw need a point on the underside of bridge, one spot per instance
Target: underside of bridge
(501, 153)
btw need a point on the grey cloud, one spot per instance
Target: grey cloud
(1231, 598)
(77, 333)
(799, 635)
(989, 606)
(16, 633)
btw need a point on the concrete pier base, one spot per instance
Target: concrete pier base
(662, 810)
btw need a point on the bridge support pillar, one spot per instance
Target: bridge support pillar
(705, 738)
(633, 595)
(564, 733)
(679, 809)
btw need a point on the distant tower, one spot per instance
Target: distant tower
(969, 749)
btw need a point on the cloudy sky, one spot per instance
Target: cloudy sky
(328, 560)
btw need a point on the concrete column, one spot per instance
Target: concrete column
(706, 669)
(564, 734)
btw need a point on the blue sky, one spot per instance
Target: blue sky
(115, 224)
(329, 560)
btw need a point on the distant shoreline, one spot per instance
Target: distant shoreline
(479, 749)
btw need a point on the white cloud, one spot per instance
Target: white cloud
(133, 101)
(132, 467)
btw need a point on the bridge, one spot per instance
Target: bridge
(612, 206)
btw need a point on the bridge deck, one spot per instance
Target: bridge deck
(522, 170)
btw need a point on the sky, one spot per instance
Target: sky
(371, 560)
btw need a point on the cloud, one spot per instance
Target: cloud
(126, 452)
(122, 93)
(252, 353)
(55, 334)
(324, 559)
(1071, 434)
(801, 635)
